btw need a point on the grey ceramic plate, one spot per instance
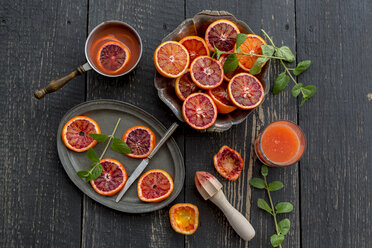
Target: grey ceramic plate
(197, 26)
(106, 114)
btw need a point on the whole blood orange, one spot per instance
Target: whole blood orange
(184, 218)
(251, 45)
(228, 76)
(196, 47)
(112, 56)
(154, 186)
(141, 141)
(199, 111)
(222, 33)
(245, 91)
(184, 86)
(228, 163)
(206, 72)
(221, 99)
(171, 59)
(112, 179)
(75, 133)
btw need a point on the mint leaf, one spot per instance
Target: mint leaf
(307, 93)
(284, 226)
(96, 172)
(275, 185)
(261, 203)
(92, 155)
(301, 67)
(296, 90)
(276, 240)
(280, 83)
(98, 137)
(285, 53)
(283, 207)
(267, 50)
(240, 38)
(120, 146)
(264, 170)
(256, 68)
(231, 63)
(217, 52)
(257, 183)
(83, 174)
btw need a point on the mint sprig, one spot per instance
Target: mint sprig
(282, 227)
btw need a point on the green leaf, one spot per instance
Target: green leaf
(96, 172)
(284, 226)
(98, 137)
(296, 90)
(83, 174)
(120, 146)
(280, 82)
(285, 53)
(261, 203)
(264, 170)
(283, 207)
(307, 93)
(267, 50)
(276, 240)
(231, 63)
(92, 155)
(256, 68)
(240, 38)
(257, 183)
(301, 67)
(217, 52)
(275, 185)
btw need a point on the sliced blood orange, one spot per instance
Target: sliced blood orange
(141, 141)
(154, 186)
(206, 72)
(245, 91)
(228, 76)
(222, 33)
(112, 179)
(171, 59)
(221, 99)
(228, 163)
(184, 218)
(113, 56)
(184, 86)
(75, 133)
(251, 45)
(199, 111)
(196, 47)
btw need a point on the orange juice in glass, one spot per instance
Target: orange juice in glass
(281, 143)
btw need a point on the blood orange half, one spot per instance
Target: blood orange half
(112, 179)
(245, 91)
(184, 86)
(75, 133)
(184, 218)
(171, 59)
(228, 76)
(199, 111)
(141, 141)
(154, 186)
(222, 33)
(251, 45)
(221, 99)
(113, 56)
(196, 47)
(228, 163)
(206, 72)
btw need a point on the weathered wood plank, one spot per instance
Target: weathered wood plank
(336, 169)
(153, 20)
(40, 40)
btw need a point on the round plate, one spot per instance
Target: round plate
(106, 114)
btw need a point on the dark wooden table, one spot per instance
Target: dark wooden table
(330, 187)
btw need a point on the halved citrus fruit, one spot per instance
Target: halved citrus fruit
(228, 76)
(184, 218)
(112, 179)
(155, 186)
(228, 163)
(206, 72)
(113, 56)
(171, 59)
(184, 86)
(141, 141)
(245, 91)
(199, 111)
(222, 33)
(251, 45)
(221, 99)
(196, 46)
(75, 133)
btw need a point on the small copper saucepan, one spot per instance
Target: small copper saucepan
(106, 30)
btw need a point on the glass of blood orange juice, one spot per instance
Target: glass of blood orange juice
(281, 143)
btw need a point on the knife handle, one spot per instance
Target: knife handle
(240, 224)
(163, 140)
